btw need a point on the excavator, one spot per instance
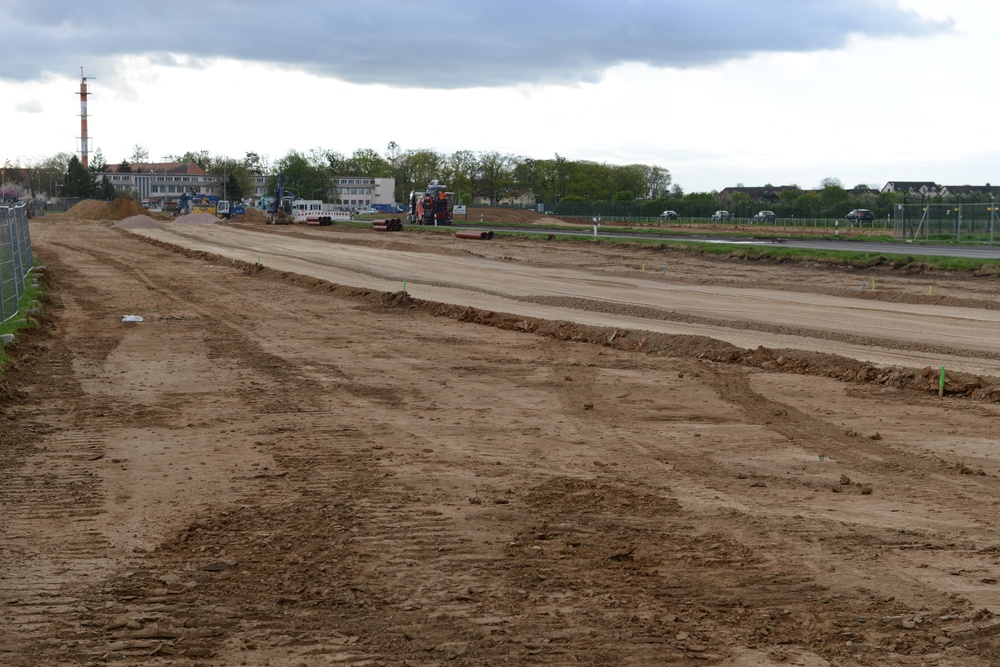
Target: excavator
(282, 214)
(200, 203)
(192, 202)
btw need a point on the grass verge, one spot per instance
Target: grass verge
(25, 319)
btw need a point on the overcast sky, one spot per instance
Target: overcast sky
(719, 92)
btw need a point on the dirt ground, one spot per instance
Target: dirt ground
(535, 453)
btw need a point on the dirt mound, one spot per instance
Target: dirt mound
(502, 215)
(119, 209)
(255, 215)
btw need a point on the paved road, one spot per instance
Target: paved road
(885, 248)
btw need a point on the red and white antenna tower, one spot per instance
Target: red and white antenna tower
(84, 147)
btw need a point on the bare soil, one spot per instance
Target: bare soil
(534, 453)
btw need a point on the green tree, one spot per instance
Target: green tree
(808, 205)
(420, 167)
(77, 181)
(740, 205)
(105, 191)
(200, 158)
(303, 176)
(657, 181)
(466, 176)
(255, 164)
(52, 171)
(124, 167)
(787, 196)
(97, 163)
(140, 154)
(366, 162)
(497, 174)
(234, 180)
(835, 200)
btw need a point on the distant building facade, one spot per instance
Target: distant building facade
(162, 184)
(354, 192)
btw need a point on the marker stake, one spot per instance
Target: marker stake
(941, 383)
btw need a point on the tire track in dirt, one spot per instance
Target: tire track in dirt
(159, 598)
(353, 544)
(51, 499)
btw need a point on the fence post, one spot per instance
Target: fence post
(15, 258)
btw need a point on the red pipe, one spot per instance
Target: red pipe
(482, 236)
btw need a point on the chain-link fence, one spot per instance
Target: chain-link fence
(15, 258)
(958, 223)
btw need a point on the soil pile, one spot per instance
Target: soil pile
(503, 215)
(119, 209)
(255, 215)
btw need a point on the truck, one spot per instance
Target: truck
(434, 206)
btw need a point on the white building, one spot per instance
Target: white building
(162, 184)
(354, 192)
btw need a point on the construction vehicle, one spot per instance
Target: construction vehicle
(433, 206)
(193, 202)
(281, 205)
(227, 209)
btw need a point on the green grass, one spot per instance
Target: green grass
(29, 295)
(584, 234)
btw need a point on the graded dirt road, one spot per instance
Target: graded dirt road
(539, 454)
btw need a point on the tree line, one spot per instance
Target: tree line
(488, 176)
(564, 186)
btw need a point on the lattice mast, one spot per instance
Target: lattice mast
(84, 140)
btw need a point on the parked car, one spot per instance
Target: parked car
(669, 215)
(860, 215)
(722, 215)
(764, 216)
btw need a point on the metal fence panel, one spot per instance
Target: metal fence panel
(15, 258)
(951, 222)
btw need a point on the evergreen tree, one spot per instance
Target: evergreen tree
(78, 182)
(124, 167)
(107, 191)
(98, 164)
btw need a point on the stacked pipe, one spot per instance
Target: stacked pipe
(482, 236)
(388, 225)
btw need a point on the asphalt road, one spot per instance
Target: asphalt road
(885, 248)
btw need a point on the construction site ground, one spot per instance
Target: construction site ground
(328, 446)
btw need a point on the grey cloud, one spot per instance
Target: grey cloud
(447, 44)
(28, 106)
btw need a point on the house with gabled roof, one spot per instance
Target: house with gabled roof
(914, 188)
(970, 190)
